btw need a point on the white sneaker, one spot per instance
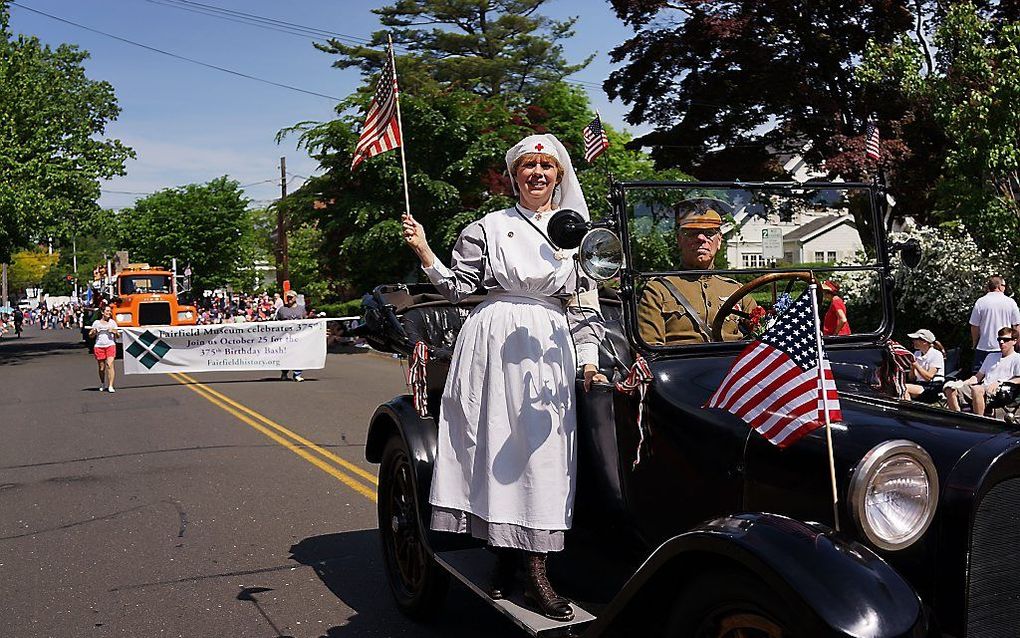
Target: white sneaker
(111, 389)
(298, 377)
(102, 388)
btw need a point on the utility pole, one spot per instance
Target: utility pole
(74, 256)
(282, 259)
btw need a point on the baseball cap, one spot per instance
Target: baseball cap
(923, 333)
(291, 293)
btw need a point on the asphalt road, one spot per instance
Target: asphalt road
(195, 508)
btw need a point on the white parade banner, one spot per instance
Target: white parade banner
(271, 345)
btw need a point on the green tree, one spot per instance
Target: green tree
(490, 47)
(968, 105)
(456, 144)
(53, 152)
(728, 86)
(205, 225)
(28, 267)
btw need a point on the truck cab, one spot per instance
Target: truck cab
(147, 296)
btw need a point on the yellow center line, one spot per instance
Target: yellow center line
(350, 467)
(211, 395)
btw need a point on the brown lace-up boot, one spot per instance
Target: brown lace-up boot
(540, 592)
(504, 576)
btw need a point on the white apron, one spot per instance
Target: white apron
(507, 440)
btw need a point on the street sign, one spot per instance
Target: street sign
(772, 243)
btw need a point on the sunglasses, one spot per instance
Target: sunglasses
(695, 233)
(1005, 339)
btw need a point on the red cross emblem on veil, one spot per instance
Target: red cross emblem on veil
(539, 147)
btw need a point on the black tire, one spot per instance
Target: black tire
(732, 603)
(418, 583)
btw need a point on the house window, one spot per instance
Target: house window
(830, 256)
(819, 256)
(752, 261)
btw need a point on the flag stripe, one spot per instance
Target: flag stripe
(791, 379)
(595, 140)
(766, 383)
(872, 146)
(745, 376)
(381, 131)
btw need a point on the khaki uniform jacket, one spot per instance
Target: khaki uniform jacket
(663, 321)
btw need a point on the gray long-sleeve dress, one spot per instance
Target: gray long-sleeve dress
(506, 462)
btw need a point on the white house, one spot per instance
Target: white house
(808, 237)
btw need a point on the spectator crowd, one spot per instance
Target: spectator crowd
(241, 307)
(64, 316)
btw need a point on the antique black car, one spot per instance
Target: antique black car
(717, 532)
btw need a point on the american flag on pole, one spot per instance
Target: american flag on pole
(775, 384)
(381, 131)
(595, 140)
(871, 141)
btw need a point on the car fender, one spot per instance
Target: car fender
(398, 416)
(845, 585)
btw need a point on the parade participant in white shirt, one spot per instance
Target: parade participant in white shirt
(929, 367)
(991, 312)
(105, 332)
(507, 448)
(997, 367)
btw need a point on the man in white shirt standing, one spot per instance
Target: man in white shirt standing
(1000, 366)
(991, 312)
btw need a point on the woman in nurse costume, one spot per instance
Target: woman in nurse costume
(506, 465)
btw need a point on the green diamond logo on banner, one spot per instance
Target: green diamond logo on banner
(148, 349)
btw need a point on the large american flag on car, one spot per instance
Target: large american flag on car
(774, 384)
(381, 131)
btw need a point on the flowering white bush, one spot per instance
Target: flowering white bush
(941, 291)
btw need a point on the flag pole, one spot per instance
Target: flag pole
(812, 290)
(400, 127)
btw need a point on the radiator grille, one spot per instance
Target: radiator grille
(154, 314)
(993, 592)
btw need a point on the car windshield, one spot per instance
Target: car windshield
(136, 284)
(709, 241)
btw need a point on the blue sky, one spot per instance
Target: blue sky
(189, 124)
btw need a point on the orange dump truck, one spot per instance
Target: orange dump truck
(148, 297)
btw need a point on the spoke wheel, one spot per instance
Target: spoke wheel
(740, 624)
(417, 582)
(732, 603)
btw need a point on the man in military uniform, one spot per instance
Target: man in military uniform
(679, 309)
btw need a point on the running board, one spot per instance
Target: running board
(474, 568)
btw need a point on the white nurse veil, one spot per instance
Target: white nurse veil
(569, 193)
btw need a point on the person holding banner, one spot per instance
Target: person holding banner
(507, 451)
(104, 331)
(290, 310)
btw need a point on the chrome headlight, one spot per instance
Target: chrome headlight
(893, 494)
(123, 317)
(184, 315)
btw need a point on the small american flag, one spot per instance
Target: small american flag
(774, 384)
(381, 131)
(871, 146)
(595, 140)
